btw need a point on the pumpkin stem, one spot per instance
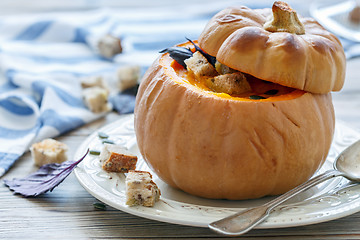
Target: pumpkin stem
(284, 19)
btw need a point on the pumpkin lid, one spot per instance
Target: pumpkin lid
(277, 46)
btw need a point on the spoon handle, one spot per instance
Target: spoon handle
(243, 221)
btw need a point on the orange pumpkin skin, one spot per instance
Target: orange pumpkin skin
(224, 148)
(314, 61)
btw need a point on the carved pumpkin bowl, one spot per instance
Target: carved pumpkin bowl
(263, 141)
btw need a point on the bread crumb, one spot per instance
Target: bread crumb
(93, 81)
(354, 14)
(115, 158)
(231, 83)
(96, 99)
(199, 66)
(109, 46)
(140, 189)
(48, 151)
(127, 77)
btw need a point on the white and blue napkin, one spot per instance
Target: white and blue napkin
(44, 56)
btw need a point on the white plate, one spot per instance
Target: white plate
(331, 200)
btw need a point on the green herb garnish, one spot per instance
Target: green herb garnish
(271, 92)
(256, 97)
(99, 205)
(94, 152)
(102, 135)
(108, 141)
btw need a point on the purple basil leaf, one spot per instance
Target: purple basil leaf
(179, 54)
(45, 179)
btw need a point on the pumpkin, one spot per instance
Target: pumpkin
(290, 50)
(215, 145)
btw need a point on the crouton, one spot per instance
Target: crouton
(93, 81)
(140, 189)
(109, 46)
(223, 69)
(115, 158)
(96, 99)
(128, 76)
(199, 66)
(231, 83)
(48, 151)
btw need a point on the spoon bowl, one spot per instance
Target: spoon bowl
(347, 165)
(348, 162)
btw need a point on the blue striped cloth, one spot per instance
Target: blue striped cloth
(44, 56)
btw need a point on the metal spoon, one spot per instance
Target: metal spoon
(347, 165)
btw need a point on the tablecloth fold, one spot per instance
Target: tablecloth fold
(44, 56)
